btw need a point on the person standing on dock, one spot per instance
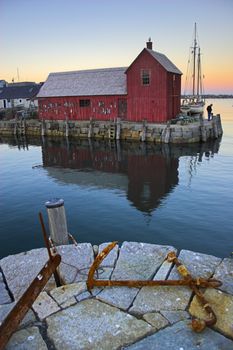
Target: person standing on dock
(209, 110)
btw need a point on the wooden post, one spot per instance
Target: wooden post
(203, 134)
(57, 221)
(219, 124)
(215, 127)
(90, 129)
(118, 128)
(143, 133)
(15, 127)
(42, 128)
(67, 128)
(165, 137)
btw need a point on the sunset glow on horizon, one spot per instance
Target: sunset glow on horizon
(39, 37)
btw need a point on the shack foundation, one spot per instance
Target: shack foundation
(184, 131)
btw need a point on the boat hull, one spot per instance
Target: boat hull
(192, 108)
(196, 109)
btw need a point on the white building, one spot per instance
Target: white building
(19, 95)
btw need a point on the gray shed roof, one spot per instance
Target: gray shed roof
(19, 90)
(164, 61)
(92, 82)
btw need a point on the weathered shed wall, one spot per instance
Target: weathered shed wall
(158, 101)
(75, 108)
(173, 95)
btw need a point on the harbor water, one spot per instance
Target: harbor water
(179, 195)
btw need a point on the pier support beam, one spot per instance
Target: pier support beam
(42, 128)
(219, 124)
(90, 129)
(15, 127)
(67, 128)
(143, 132)
(57, 221)
(203, 135)
(215, 128)
(166, 134)
(118, 128)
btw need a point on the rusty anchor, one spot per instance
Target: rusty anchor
(16, 315)
(197, 324)
(194, 283)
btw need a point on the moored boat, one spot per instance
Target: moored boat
(194, 103)
(192, 106)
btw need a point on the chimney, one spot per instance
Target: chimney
(149, 44)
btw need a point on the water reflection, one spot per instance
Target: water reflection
(22, 142)
(147, 173)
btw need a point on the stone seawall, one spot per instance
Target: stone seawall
(181, 132)
(71, 317)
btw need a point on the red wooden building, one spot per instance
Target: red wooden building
(149, 89)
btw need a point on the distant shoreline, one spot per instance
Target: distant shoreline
(211, 96)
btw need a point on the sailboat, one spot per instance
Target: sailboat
(194, 103)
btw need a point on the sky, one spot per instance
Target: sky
(42, 36)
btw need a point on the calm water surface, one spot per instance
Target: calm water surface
(176, 195)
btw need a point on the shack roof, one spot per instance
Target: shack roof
(162, 59)
(92, 82)
(15, 91)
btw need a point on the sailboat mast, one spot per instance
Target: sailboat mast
(201, 81)
(194, 58)
(198, 72)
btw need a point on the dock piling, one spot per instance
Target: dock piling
(57, 221)
(118, 129)
(42, 128)
(67, 128)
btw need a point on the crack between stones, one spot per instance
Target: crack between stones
(219, 332)
(125, 346)
(43, 332)
(59, 305)
(133, 301)
(7, 287)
